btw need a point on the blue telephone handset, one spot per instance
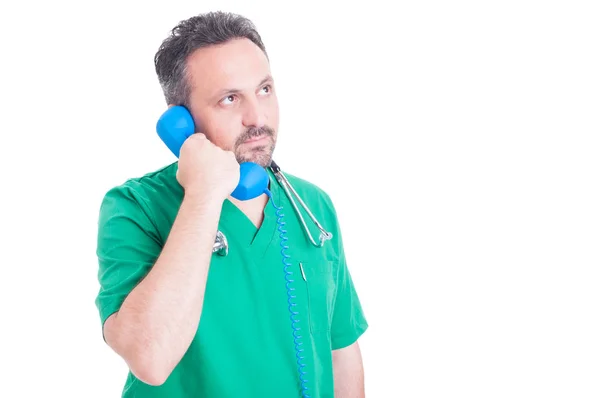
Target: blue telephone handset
(176, 125)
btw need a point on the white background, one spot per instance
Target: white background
(459, 141)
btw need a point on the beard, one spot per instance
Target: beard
(259, 154)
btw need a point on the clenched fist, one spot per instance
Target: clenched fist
(206, 170)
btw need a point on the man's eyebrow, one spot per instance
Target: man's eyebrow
(268, 79)
(226, 92)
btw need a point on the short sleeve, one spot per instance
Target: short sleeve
(127, 248)
(348, 320)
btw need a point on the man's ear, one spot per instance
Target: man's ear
(171, 105)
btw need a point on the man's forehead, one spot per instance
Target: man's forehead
(237, 65)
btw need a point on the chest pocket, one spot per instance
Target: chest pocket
(320, 289)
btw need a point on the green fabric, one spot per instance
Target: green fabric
(244, 344)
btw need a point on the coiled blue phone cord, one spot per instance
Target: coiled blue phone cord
(293, 313)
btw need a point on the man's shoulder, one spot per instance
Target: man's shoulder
(311, 193)
(143, 190)
(302, 184)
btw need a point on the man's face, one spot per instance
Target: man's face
(233, 100)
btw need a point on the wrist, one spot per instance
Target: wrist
(204, 199)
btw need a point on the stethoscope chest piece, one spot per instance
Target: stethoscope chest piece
(220, 246)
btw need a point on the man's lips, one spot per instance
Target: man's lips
(255, 139)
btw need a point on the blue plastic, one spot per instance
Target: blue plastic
(176, 125)
(294, 314)
(253, 181)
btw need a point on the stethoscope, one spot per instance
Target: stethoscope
(221, 246)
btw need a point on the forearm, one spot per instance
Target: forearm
(159, 318)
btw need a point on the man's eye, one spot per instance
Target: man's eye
(228, 100)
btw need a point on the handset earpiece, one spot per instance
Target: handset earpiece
(175, 126)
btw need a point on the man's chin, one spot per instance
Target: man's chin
(260, 156)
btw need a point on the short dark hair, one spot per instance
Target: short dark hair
(189, 35)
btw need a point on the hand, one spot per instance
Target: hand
(206, 170)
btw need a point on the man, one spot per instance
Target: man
(190, 323)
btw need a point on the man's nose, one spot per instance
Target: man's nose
(253, 114)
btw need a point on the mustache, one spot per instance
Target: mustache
(252, 132)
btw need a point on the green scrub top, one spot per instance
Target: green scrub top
(244, 345)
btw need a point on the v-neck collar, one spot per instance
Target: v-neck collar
(242, 229)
